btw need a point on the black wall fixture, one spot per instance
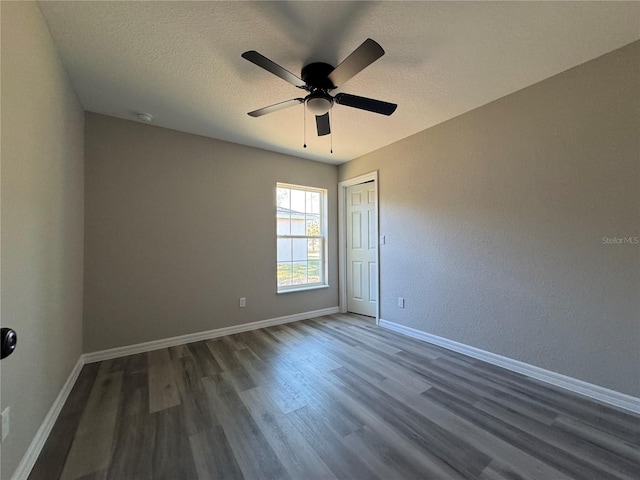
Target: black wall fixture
(8, 342)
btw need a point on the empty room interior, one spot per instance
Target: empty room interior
(320, 240)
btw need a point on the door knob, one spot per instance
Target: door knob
(8, 342)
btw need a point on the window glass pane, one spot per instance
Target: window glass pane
(298, 201)
(314, 248)
(283, 224)
(299, 249)
(313, 225)
(299, 273)
(313, 202)
(314, 274)
(298, 224)
(283, 196)
(285, 273)
(284, 250)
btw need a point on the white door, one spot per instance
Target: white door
(362, 268)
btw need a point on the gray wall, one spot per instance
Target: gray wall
(178, 227)
(42, 224)
(494, 223)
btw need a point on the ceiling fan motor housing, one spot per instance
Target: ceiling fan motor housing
(316, 76)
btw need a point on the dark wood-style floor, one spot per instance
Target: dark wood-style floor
(334, 397)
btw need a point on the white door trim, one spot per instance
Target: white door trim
(342, 238)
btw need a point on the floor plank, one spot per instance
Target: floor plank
(163, 392)
(171, 457)
(255, 456)
(135, 429)
(54, 453)
(213, 455)
(91, 448)
(288, 443)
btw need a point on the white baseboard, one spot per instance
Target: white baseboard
(617, 399)
(196, 337)
(29, 459)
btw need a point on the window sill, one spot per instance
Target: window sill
(302, 289)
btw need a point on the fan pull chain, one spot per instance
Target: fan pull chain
(331, 132)
(304, 126)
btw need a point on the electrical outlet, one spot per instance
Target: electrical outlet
(5, 423)
(243, 302)
(400, 302)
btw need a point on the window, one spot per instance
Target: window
(302, 237)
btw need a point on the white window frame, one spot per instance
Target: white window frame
(323, 237)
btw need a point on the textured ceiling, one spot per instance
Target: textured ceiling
(180, 61)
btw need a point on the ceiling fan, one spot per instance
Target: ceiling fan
(319, 79)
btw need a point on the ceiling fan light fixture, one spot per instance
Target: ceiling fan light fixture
(319, 104)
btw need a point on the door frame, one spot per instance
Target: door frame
(342, 238)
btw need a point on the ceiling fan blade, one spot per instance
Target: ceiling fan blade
(270, 66)
(364, 103)
(322, 123)
(276, 107)
(360, 58)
